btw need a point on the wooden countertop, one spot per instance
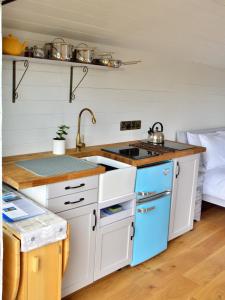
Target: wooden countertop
(21, 179)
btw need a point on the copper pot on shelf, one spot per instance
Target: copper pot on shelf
(58, 49)
(84, 54)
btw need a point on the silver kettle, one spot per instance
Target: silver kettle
(155, 135)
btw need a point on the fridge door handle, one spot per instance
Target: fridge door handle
(154, 197)
(146, 194)
(145, 210)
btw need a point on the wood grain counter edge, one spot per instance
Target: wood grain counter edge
(21, 179)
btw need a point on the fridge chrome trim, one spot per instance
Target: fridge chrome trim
(145, 210)
(154, 197)
(142, 195)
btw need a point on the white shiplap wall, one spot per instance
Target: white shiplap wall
(181, 95)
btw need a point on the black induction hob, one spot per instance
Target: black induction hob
(144, 149)
(132, 152)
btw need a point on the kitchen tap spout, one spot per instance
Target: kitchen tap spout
(80, 144)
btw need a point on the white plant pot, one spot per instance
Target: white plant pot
(59, 147)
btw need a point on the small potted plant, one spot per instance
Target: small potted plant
(59, 142)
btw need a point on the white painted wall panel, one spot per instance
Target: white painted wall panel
(179, 94)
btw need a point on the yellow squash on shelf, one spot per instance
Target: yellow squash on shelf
(12, 45)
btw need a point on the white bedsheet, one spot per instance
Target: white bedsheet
(214, 183)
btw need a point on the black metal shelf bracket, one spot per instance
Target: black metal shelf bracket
(4, 2)
(14, 85)
(73, 90)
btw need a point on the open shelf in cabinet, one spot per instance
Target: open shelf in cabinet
(128, 207)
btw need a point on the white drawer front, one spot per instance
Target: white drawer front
(67, 202)
(72, 186)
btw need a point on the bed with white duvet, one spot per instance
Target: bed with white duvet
(214, 186)
(211, 181)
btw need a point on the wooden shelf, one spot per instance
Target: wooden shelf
(57, 62)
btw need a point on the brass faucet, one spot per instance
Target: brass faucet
(79, 143)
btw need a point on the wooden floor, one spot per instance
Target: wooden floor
(193, 268)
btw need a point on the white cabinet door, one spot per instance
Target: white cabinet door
(80, 269)
(183, 196)
(113, 247)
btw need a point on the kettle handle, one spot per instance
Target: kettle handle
(150, 131)
(153, 126)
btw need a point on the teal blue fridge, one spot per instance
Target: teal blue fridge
(153, 189)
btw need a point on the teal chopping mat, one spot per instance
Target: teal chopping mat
(55, 165)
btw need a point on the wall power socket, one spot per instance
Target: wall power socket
(130, 125)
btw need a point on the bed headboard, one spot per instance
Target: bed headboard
(181, 136)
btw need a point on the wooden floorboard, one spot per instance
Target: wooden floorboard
(192, 268)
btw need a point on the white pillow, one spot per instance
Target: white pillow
(221, 132)
(193, 139)
(215, 150)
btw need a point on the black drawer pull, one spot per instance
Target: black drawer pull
(132, 237)
(73, 202)
(95, 215)
(74, 187)
(178, 169)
